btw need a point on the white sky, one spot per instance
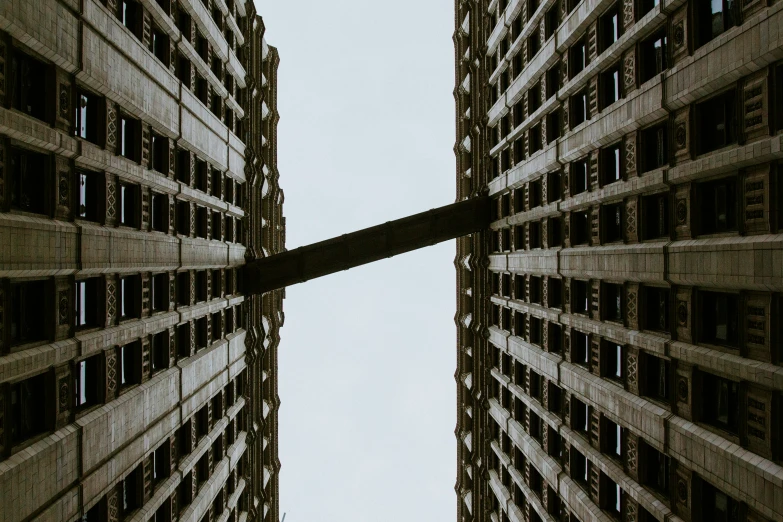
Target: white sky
(367, 357)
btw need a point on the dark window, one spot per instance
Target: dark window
(89, 115)
(130, 297)
(130, 364)
(201, 222)
(519, 150)
(719, 318)
(720, 402)
(555, 337)
(160, 351)
(611, 165)
(160, 292)
(645, 6)
(27, 320)
(612, 301)
(91, 187)
(577, 58)
(202, 422)
(655, 377)
(88, 296)
(580, 349)
(217, 330)
(183, 218)
(183, 166)
(554, 125)
(656, 469)
(579, 176)
(202, 47)
(130, 138)
(652, 56)
(202, 92)
(517, 64)
(183, 70)
(580, 416)
(183, 22)
(718, 506)
(534, 138)
(130, 491)
(609, 28)
(183, 340)
(534, 196)
(580, 228)
(579, 108)
(131, 15)
(655, 147)
(506, 318)
(160, 212)
(716, 122)
(201, 286)
(519, 290)
(519, 324)
(505, 204)
(532, 7)
(28, 87)
(717, 204)
(160, 153)
(656, 302)
(536, 330)
(87, 384)
(555, 231)
(612, 222)
(553, 80)
(216, 105)
(552, 21)
(581, 295)
(216, 286)
(534, 98)
(161, 463)
(535, 234)
(129, 205)
(229, 190)
(655, 216)
(183, 288)
(535, 289)
(202, 330)
(28, 179)
(217, 221)
(713, 18)
(613, 360)
(613, 496)
(519, 113)
(536, 429)
(201, 175)
(160, 46)
(229, 320)
(610, 86)
(555, 293)
(579, 467)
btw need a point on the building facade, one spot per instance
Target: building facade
(138, 172)
(619, 326)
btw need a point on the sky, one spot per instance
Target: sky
(367, 356)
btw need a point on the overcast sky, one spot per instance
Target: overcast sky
(367, 357)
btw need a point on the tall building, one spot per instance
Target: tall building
(138, 171)
(620, 324)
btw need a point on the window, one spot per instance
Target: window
(652, 56)
(554, 125)
(611, 165)
(160, 212)
(28, 177)
(612, 222)
(579, 108)
(130, 297)
(613, 360)
(609, 28)
(130, 491)
(720, 402)
(202, 422)
(577, 58)
(160, 292)
(613, 496)
(555, 293)
(655, 147)
(713, 18)
(183, 166)
(505, 204)
(553, 80)
(536, 429)
(88, 297)
(534, 98)
(201, 286)
(91, 187)
(184, 70)
(555, 232)
(217, 329)
(552, 21)
(555, 337)
(534, 195)
(160, 351)
(229, 190)
(718, 506)
(719, 316)
(217, 222)
(580, 228)
(183, 340)
(229, 320)
(29, 79)
(535, 289)
(202, 90)
(130, 364)
(202, 330)
(130, 138)
(535, 234)
(201, 175)
(581, 295)
(581, 349)
(656, 301)
(579, 468)
(519, 150)
(655, 216)
(519, 324)
(506, 318)
(160, 46)
(185, 491)
(506, 233)
(534, 138)
(610, 86)
(656, 469)
(519, 290)
(183, 22)
(612, 302)
(201, 222)
(28, 406)
(579, 176)
(655, 377)
(161, 463)
(717, 201)
(89, 115)
(645, 6)
(129, 205)
(580, 415)
(160, 153)
(183, 288)
(536, 330)
(716, 122)
(216, 105)
(27, 322)
(216, 286)
(183, 218)
(131, 15)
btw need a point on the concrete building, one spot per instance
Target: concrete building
(620, 325)
(137, 146)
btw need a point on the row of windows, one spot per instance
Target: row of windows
(28, 324)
